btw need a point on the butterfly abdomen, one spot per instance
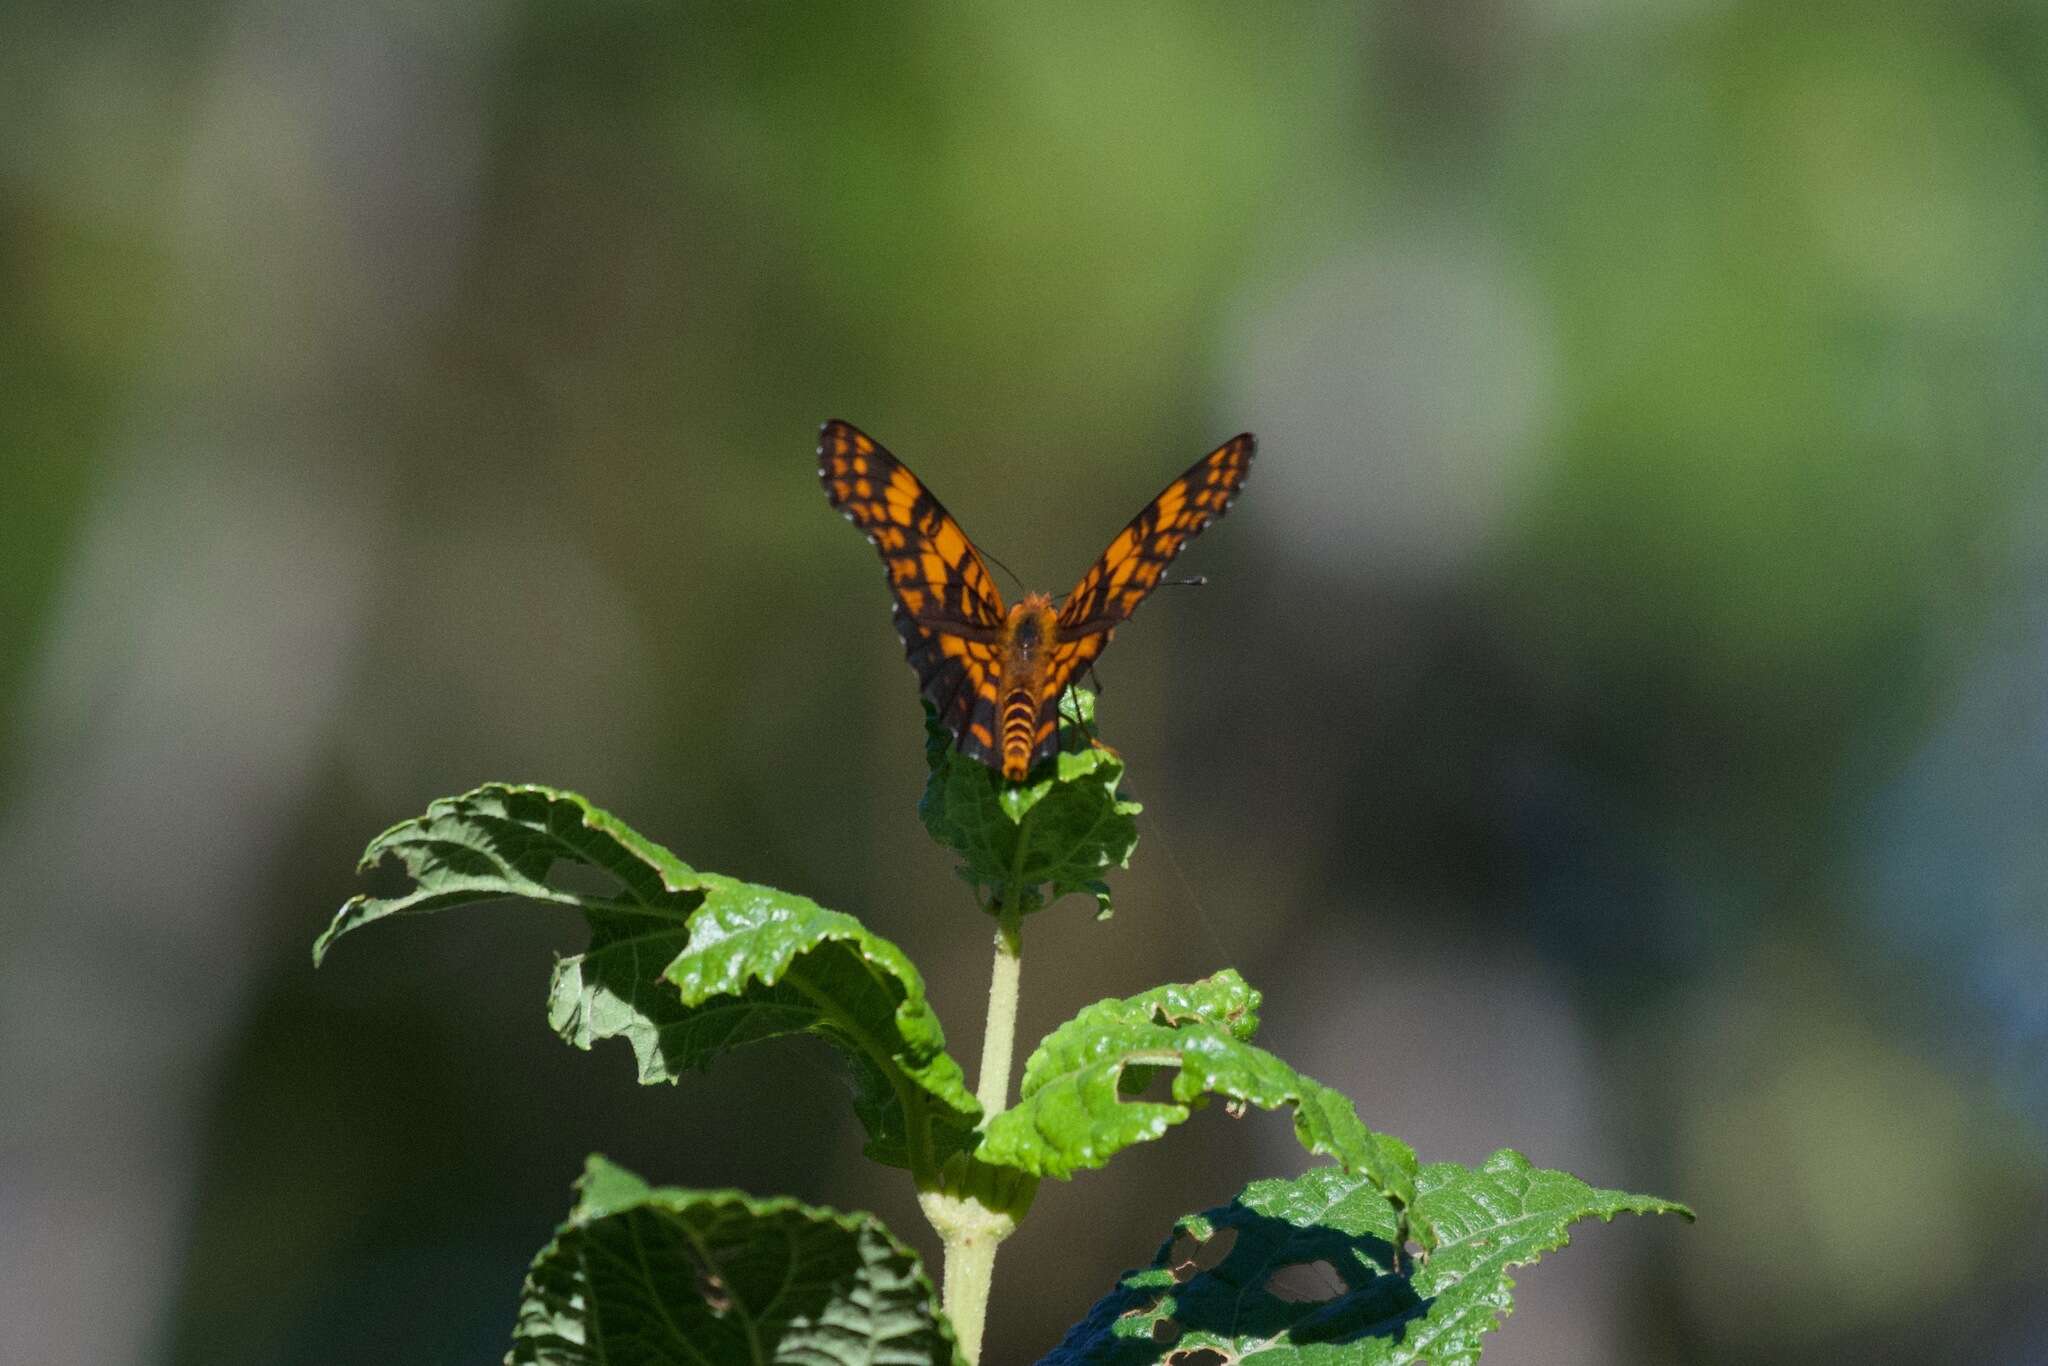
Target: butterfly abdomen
(1028, 638)
(1020, 719)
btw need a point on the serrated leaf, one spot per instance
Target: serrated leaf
(1063, 828)
(1307, 1274)
(504, 841)
(640, 1276)
(682, 964)
(1077, 1105)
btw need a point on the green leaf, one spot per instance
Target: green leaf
(684, 965)
(1064, 827)
(762, 963)
(640, 1276)
(1078, 1104)
(1304, 1274)
(504, 841)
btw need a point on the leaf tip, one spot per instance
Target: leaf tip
(337, 927)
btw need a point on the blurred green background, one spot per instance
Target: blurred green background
(1615, 727)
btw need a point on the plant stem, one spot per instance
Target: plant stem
(973, 1221)
(999, 1039)
(971, 1236)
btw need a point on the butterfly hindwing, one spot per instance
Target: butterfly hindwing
(958, 677)
(948, 611)
(1065, 663)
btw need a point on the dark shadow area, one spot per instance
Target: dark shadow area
(1256, 1276)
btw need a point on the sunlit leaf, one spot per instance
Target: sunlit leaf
(684, 965)
(1078, 1104)
(1032, 843)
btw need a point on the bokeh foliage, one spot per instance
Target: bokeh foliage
(1626, 670)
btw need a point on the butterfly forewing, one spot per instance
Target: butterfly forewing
(935, 572)
(1131, 568)
(947, 608)
(1135, 561)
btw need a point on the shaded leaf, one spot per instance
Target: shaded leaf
(640, 1276)
(1302, 1270)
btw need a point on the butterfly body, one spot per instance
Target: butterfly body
(994, 672)
(1024, 659)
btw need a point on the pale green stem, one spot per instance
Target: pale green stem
(970, 1269)
(999, 1039)
(971, 1229)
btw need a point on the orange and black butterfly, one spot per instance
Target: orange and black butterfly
(995, 673)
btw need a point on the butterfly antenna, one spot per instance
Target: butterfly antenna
(1015, 579)
(1193, 581)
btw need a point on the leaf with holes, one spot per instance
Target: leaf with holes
(1302, 1272)
(1062, 829)
(640, 1276)
(684, 965)
(1079, 1103)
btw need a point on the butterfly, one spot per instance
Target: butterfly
(995, 673)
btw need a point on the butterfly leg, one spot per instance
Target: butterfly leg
(1086, 729)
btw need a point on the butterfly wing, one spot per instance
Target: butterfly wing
(947, 610)
(1131, 568)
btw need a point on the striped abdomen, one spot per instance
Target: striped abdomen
(1020, 732)
(1026, 645)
